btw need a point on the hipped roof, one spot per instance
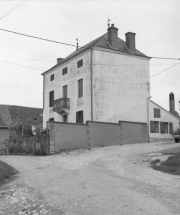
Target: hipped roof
(101, 42)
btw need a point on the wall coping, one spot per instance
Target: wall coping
(133, 122)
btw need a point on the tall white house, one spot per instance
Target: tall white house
(106, 80)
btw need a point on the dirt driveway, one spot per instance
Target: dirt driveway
(115, 180)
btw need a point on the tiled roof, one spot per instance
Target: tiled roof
(10, 112)
(102, 42)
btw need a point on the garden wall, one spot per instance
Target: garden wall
(69, 136)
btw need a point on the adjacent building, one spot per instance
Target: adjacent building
(12, 112)
(163, 122)
(107, 80)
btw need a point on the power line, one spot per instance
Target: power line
(37, 37)
(165, 70)
(163, 58)
(21, 65)
(12, 9)
(49, 61)
(166, 58)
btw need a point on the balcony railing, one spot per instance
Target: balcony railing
(61, 104)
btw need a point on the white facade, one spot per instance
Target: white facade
(165, 117)
(116, 82)
(120, 87)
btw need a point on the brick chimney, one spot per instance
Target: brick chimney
(130, 41)
(113, 36)
(59, 60)
(171, 103)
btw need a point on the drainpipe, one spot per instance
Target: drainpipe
(148, 124)
(91, 85)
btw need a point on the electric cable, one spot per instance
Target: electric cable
(1, 29)
(12, 9)
(21, 65)
(164, 70)
(49, 61)
(36, 37)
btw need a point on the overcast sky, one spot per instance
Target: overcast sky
(156, 24)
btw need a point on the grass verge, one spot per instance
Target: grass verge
(6, 172)
(171, 165)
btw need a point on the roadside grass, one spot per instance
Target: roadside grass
(6, 172)
(171, 165)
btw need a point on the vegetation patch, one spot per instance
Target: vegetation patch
(6, 172)
(171, 165)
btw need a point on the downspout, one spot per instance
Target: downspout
(43, 97)
(91, 84)
(148, 124)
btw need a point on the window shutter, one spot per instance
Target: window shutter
(152, 126)
(162, 127)
(81, 116)
(157, 113)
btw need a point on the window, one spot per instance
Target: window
(165, 127)
(51, 98)
(51, 119)
(79, 117)
(65, 91)
(170, 128)
(80, 88)
(154, 127)
(65, 71)
(157, 113)
(162, 124)
(52, 77)
(80, 63)
(65, 118)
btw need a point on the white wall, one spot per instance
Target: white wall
(71, 80)
(166, 116)
(120, 87)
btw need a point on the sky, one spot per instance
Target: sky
(156, 24)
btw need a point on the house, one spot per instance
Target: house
(163, 122)
(11, 112)
(106, 80)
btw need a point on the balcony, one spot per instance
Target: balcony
(61, 106)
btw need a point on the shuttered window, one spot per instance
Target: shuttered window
(170, 128)
(79, 117)
(154, 127)
(52, 77)
(51, 98)
(162, 126)
(65, 118)
(65, 71)
(157, 113)
(65, 91)
(165, 127)
(80, 88)
(80, 63)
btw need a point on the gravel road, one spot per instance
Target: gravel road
(115, 180)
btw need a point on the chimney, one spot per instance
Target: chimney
(113, 36)
(59, 60)
(171, 103)
(130, 41)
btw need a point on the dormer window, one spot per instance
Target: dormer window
(80, 63)
(52, 77)
(65, 71)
